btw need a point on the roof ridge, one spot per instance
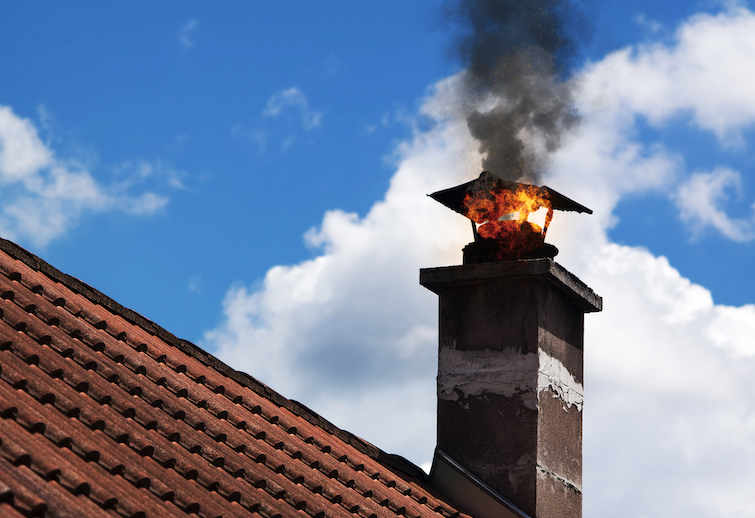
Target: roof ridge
(193, 350)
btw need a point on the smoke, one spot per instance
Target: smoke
(517, 54)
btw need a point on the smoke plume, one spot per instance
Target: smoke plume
(517, 53)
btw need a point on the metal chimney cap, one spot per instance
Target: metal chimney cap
(453, 198)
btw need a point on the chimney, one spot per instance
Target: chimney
(510, 383)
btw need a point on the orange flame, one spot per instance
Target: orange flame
(487, 207)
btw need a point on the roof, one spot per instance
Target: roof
(104, 413)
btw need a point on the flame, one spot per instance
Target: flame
(486, 207)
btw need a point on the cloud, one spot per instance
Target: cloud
(44, 196)
(133, 172)
(294, 98)
(703, 73)
(669, 417)
(22, 152)
(290, 110)
(700, 199)
(649, 24)
(668, 414)
(185, 35)
(701, 77)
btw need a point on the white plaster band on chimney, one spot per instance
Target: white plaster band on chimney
(508, 373)
(554, 375)
(473, 373)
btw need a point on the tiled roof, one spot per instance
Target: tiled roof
(104, 413)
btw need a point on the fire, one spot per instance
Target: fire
(487, 200)
(487, 207)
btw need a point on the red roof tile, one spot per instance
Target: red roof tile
(102, 412)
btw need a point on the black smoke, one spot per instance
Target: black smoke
(518, 54)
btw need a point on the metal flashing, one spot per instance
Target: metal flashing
(469, 493)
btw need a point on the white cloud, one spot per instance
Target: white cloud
(703, 75)
(733, 329)
(44, 196)
(293, 97)
(669, 415)
(147, 203)
(185, 36)
(700, 199)
(706, 72)
(21, 151)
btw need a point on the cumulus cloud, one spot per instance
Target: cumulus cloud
(705, 72)
(44, 196)
(701, 76)
(669, 416)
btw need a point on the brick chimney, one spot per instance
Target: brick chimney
(510, 366)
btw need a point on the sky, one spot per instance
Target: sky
(252, 177)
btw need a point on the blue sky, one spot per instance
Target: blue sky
(184, 89)
(250, 178)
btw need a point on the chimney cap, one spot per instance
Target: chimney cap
(453, 198)
(445, 278)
